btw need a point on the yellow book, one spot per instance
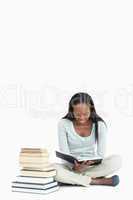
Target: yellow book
(34, 150)
(38, 173)
(33, 159)
(39, 154)
(48, 168)
(34, 165)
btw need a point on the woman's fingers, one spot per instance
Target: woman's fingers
(88, 162)
(84, 162)
(76, 163)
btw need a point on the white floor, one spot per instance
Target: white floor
(96, 192)
(64, 192)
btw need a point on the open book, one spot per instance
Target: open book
(71, 159)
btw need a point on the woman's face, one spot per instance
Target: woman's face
(81, 112)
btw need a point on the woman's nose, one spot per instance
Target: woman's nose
(82, 118)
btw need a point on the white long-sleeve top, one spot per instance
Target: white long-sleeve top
(72, 143)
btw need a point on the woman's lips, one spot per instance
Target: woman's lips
(81, 121)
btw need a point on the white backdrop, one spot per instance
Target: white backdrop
(50, 50)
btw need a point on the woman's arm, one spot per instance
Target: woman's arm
(101, 145)
(62, 138)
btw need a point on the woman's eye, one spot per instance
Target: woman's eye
(78, 115)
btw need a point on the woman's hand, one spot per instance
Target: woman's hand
(81, 167)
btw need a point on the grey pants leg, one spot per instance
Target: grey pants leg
(108, 166)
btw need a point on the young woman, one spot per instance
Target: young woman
(82, 133)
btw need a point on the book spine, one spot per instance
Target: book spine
(34, 185)
(33, 154)
(31, 179)
(33, 159)
(36, 191)
(38, 173)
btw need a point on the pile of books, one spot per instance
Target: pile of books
(36, 172)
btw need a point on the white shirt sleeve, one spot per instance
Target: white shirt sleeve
(63, 142)
(62, 138)
(101, 145)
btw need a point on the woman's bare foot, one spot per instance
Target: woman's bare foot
(112, 181)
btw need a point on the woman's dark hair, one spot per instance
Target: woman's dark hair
(84, 98)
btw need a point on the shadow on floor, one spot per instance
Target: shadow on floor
(67, 184)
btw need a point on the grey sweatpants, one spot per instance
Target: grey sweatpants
(108, 166)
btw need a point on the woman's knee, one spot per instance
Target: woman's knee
(61, 170)
(116, 161)
(60, 167)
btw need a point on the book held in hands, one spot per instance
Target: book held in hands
(71, 159)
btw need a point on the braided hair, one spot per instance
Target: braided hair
(87, 99)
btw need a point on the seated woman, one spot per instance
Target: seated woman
(82, 132)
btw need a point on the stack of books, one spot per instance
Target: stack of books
(36, 172)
